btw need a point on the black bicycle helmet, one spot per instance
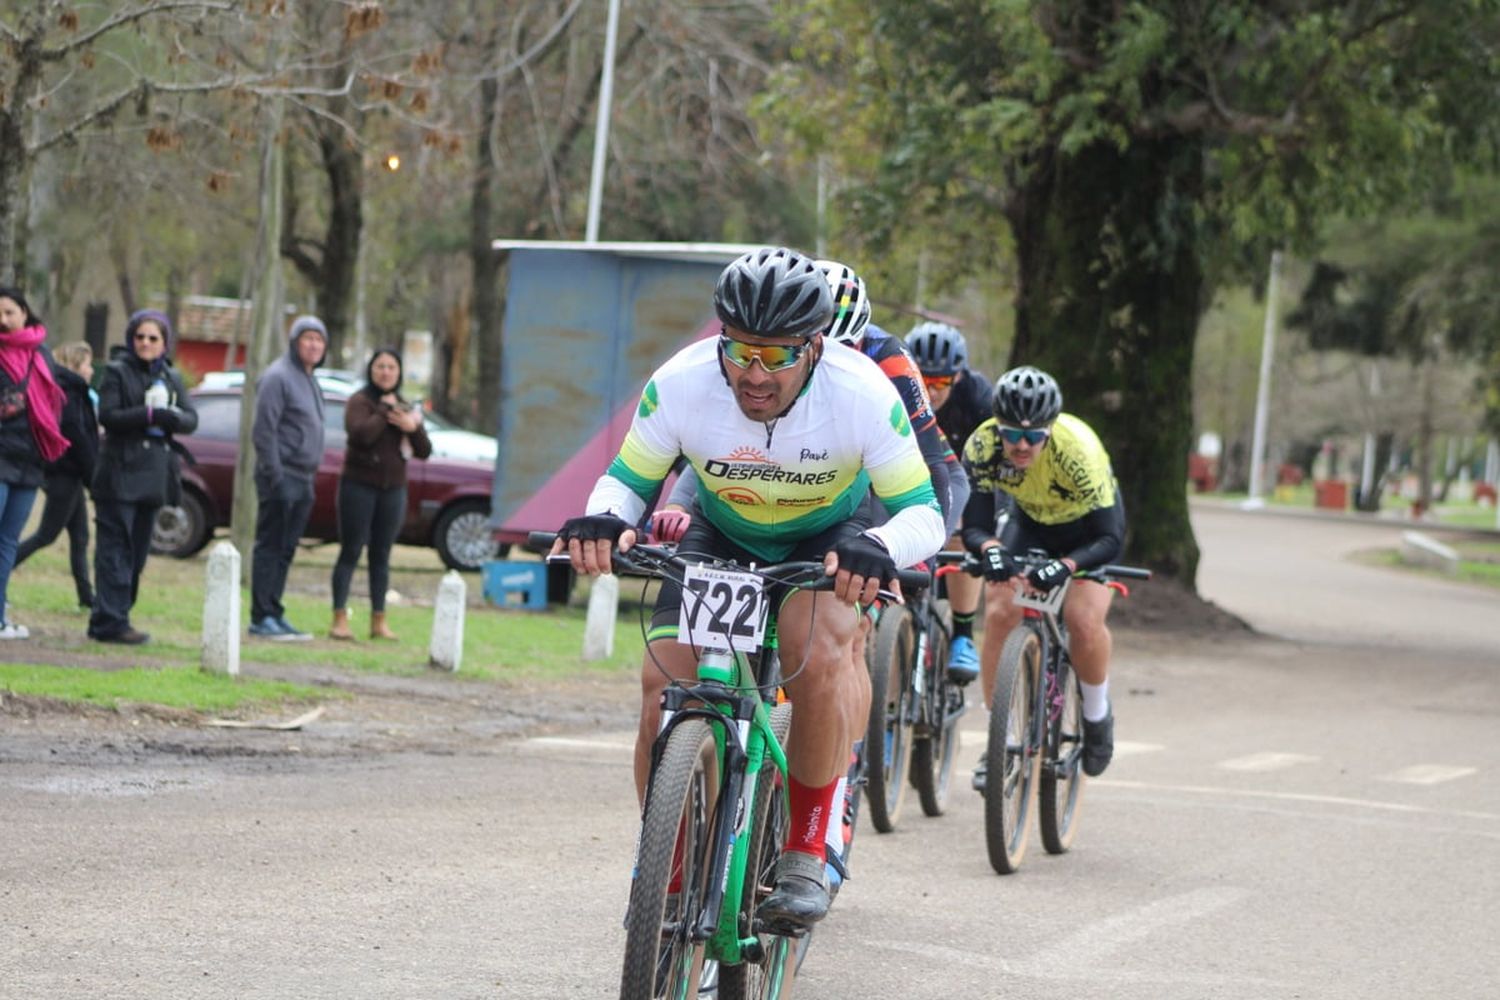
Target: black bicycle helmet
(1027, 397)
(774, 292)
(939, 348)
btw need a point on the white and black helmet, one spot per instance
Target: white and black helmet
(851, 305)
(1027, 397)
(774, 292)
(938, 348)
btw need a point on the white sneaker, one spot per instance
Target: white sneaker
(10, 630)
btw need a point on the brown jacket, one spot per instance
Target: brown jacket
(372, 454)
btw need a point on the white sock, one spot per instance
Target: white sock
(1095, 700)
(833, 839)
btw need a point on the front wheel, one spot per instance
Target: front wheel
(1012, 756)
(767, 976)
(888, 738)
(1062, 772)
(663, 952)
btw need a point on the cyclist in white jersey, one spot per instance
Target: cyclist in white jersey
(787, 440)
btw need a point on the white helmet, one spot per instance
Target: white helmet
(851, 306)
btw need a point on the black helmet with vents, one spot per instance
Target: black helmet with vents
(774, 292)
(1027, 397)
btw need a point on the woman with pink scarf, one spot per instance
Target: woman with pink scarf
(30, 402)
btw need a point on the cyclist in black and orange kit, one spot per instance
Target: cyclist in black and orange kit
(962, 399)
(1066, 503)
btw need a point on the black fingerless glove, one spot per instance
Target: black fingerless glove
(863, 555)
(1049, 576)
(592, 527)
(998, 565)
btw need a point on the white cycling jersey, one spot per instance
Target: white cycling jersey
(767, 486)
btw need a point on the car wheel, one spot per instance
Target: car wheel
(462, 535)
(181, 530)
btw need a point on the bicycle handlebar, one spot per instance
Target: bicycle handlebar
(967, 563)
(803, 574)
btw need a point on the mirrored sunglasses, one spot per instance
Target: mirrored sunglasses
(771, 358)
(938, 381)
(1031, 435)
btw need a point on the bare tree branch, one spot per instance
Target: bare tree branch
(125, 17)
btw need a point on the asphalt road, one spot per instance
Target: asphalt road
(1311, 812)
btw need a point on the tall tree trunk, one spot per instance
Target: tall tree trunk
(15, 193)
(1111, 292)
(343, 163)
(485, 260)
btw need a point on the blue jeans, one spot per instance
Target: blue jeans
(15, 508)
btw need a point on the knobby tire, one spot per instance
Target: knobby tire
(661, 960)
(932, 755)
(770, 978)
(888, 739)
(1012, 760)
(1059, 795)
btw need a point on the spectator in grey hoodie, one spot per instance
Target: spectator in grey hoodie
(288, 437)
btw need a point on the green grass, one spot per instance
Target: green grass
(500, 645)
(1454, 515)
(173, 687)
(1478, 563)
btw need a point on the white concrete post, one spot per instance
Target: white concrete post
(221, 611)
(447, 647)
(599, 625)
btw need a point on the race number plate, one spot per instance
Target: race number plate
(722, 609)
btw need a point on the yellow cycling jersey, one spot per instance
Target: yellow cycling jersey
(1070, 477)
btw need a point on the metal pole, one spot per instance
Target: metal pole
(601, 126)
(1367, 470)
(1263, 391)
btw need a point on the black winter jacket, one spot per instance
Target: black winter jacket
(80, 425)
(134, 466)
(20, 459)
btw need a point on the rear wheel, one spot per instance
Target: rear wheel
(1061, 786)
(933, 754)
(463, 537)
(888, 738)
(662, 957)
(1012, 759)
(768, 976)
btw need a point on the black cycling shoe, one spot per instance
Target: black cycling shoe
(1098, 744)
(801, 896)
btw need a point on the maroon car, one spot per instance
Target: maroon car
(447, 504)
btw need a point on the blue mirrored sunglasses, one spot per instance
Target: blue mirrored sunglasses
(1031, 435)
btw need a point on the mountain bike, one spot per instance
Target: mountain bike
(1036, 722)
(914, 709)
(715, 813)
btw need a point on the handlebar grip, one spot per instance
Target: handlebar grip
(913, 580)
(540, 541)
(1126, 572)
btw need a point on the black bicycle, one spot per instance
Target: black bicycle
(914, 708)
(1036, 722)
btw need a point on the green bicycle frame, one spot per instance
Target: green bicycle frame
(727, 695)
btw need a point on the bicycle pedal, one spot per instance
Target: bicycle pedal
(781, 928)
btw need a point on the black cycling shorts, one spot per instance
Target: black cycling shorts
(702, 538)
